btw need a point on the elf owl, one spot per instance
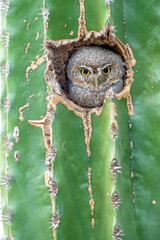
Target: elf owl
(91, 71)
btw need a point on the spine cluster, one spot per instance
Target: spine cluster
(115, 169)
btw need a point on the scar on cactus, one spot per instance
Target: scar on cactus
(58, 53)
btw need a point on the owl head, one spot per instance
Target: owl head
(96, 67)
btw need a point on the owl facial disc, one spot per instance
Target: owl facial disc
(91, 72)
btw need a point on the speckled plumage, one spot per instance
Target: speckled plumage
(90, 90)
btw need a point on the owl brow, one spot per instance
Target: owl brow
(82, 67)
(108, 65)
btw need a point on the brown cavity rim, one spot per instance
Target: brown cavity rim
(65, 47)
(104, 37)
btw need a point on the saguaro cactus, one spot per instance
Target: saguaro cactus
(89, 173)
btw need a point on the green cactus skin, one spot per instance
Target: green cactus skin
(142, 160)
(137, 143)
(28, 197)
(71, 172)
(126, 210)
(3, 115)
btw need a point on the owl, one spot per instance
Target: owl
(91, 72)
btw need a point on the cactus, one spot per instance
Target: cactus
(83, 174)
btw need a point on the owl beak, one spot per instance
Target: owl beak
(96, 81)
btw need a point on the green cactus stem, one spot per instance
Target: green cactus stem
(89, 175)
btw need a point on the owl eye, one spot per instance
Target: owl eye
(107, 70)
(84, 71)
